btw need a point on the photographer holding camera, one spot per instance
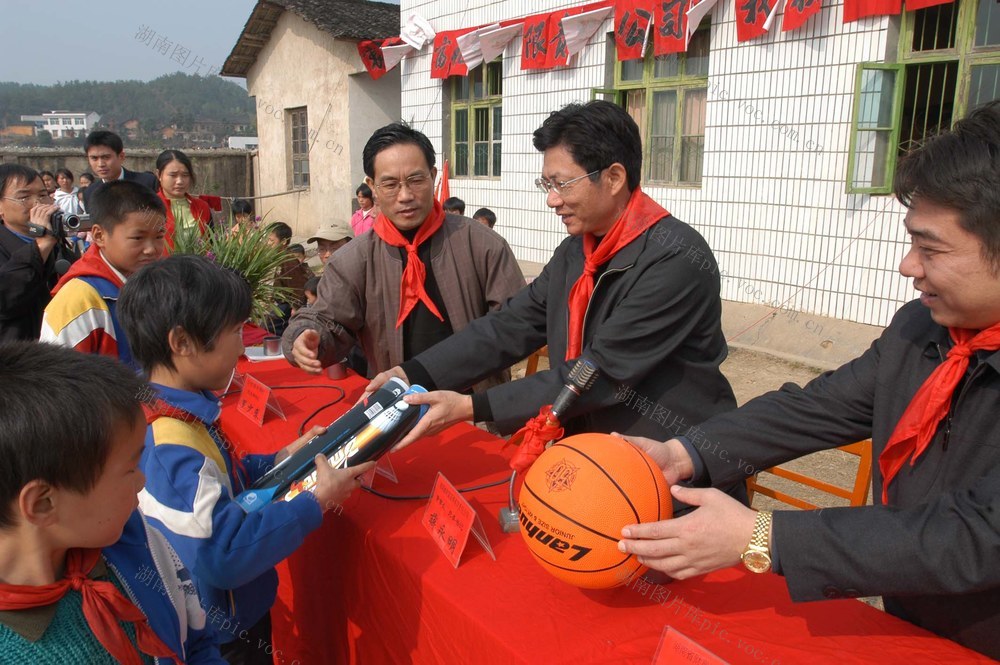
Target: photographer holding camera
(31, 256)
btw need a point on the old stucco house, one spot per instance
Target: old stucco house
(316, 104)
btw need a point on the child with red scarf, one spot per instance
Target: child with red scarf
(185, 213)
(128, 234)
(83, 577)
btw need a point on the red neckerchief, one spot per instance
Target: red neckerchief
(930, 405)
(160, 409)
(411, 287)
(640, 214)
(103, 607)
(90, 264)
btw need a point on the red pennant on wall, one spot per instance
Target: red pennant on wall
(798, 12)
(855, 9)
(751, 16)
(543, 44)
(632, 19)
(370, 51)
(447, 57)
(670, 33)
(914, 5)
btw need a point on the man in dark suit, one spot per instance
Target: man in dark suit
(927, 393)
(106, 155)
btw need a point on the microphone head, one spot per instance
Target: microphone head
(583, 374)
(62, 266)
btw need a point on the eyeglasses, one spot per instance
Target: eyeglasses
(415, 183)
(29, 201)
(558, 187)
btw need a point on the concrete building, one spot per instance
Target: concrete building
(67, 124)
(316, 104)
(779, 150)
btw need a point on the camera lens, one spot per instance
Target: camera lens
(59, 219)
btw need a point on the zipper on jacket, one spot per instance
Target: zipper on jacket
(586, 312)
(133, 598)
(977, 370)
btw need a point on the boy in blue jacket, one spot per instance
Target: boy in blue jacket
(83, 578)
(183, 317)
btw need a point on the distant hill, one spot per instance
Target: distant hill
(179, 99)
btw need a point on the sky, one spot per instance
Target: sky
(49, 41)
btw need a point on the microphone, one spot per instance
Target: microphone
(62, 266)
(581, 378)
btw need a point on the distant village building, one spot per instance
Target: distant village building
(316, 104)
(63, 124)
(244, 142)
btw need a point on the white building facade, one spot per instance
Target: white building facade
(779, 150)
(68, 124)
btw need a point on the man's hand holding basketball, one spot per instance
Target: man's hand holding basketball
(671, 456)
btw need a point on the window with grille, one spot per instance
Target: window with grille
(666, 96)
(298, 121)
(477, 113)
(949, 63)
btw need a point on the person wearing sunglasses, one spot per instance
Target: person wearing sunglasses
(418, 277)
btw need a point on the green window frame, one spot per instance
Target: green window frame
(298, 141)
(477, 122)
(948, 63)
(667, 96)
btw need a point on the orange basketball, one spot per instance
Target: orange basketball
(575, 500)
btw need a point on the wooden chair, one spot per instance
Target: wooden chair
(532, 365)
(858, 495)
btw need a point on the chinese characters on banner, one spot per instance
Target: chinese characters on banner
(798, 12)
(447, 57)
(671, 34)
(632, 21)
(370, 51)
(751, 17)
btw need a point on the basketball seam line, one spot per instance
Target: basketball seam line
(564, 515)
(613, 482)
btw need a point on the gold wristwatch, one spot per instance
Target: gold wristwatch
(757, 556)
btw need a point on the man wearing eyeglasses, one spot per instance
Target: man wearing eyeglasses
(632, 288)
(28, 261)
(420, 276)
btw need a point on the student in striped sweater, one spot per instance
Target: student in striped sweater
(129, 222)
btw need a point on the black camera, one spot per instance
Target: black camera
(60, 223)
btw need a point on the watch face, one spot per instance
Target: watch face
(756, 562)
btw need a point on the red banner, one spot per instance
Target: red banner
(632, 19)
(543, 45)
(750, 18)
(670, 33)
(370, 51)
(914, 5)
(798, 12)
(855, 9)
(447, 58)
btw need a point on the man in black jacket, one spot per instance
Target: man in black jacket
(106, 155)
(927, 393)
(633, 289)
(28, 264)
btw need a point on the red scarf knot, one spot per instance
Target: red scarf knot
(639, 215)
(411, 288)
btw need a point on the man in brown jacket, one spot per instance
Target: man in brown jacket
(419, 277)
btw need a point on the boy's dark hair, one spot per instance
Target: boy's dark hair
(487, 214)
(11, 173)
(66, 172)
(113, 201)
(281, 230)
(186, 291)
(454, 203)
(296, 249)
(54, 425)
(311, 285)
(395, 134)
(242, 207)
(597, 134)
(105, 138)
(168, 156)
(960, 169)
(364, 190)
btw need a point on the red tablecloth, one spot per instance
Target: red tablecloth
(370, 586)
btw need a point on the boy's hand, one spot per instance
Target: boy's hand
(333, 486)
(290, 449)
(305, 351)
(382, 379)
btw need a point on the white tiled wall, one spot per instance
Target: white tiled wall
(772, 203)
